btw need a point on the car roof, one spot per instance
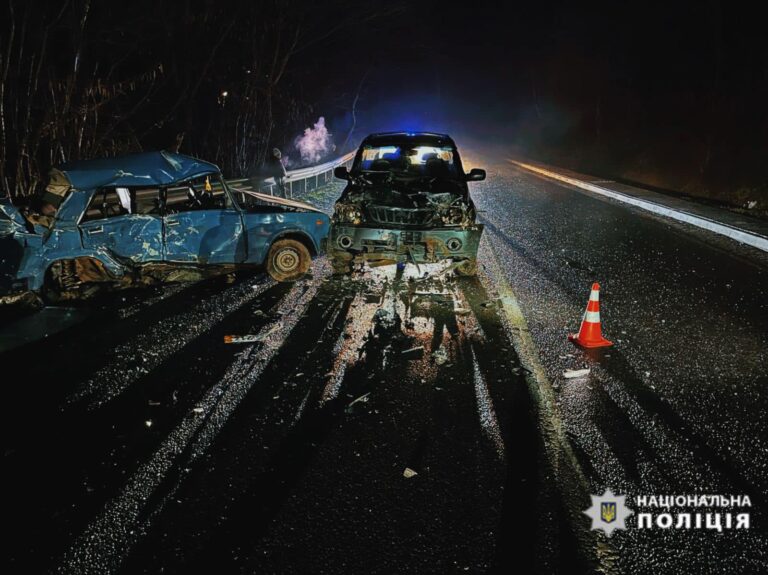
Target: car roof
(144, 169)
(430, 138)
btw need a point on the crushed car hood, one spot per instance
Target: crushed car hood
(405, 206)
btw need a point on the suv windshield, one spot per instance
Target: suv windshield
(427, 161)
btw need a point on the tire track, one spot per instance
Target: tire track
(141, 354)
(108, 539)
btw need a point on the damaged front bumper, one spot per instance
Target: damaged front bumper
(383, 246)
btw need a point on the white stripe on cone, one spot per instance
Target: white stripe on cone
(592, 316)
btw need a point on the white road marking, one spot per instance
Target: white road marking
(743, 236)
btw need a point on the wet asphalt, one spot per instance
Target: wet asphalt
(137, 441)
(678, 405)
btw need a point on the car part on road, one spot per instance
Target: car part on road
(575, 373)
(259, 337)
(413, 352)
(362, 399)
(440, 356)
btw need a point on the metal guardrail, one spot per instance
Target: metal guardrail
(297, 182)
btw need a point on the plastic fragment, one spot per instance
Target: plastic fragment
(413, 352)
(574, 373)
(440, 356)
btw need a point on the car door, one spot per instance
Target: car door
(201, 225)
(125, 224)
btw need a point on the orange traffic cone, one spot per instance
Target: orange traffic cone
(590, 334)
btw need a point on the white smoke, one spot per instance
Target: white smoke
(315, 143)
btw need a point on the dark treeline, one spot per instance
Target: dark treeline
(89, 78)
(672, 95)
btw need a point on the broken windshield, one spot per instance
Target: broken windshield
(409, 161)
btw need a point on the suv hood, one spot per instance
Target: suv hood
(415, 204)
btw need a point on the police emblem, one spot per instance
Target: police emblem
(608, 512)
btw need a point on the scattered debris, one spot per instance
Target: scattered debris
(413, 353)
(362, 399)
(241, 338)
(440, 356)
(574, 373)
(259, 337)
(385, 321)
(462, 311)
(372, 297)
(434, 294)
(408, 473)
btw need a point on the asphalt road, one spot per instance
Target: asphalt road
(137, 441)
(678, 405)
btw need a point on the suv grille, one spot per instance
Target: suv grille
(399, 216)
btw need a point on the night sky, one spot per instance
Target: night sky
(671, 94)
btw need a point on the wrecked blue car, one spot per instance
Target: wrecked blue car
(145, 218)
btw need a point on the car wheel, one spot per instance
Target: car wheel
(466, 268)
(288, 260)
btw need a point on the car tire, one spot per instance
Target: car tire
(466, 268)
(288, 260)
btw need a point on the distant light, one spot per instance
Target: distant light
(148, 423)
(224, 94)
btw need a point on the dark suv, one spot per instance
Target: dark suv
(406, 200)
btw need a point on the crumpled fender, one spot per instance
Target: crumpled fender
(36, 263)
(10, 217)
(292, 231)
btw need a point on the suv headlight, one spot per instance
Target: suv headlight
(348, 214)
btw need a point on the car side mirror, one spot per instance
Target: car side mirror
(475, 175)
(341, 172)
